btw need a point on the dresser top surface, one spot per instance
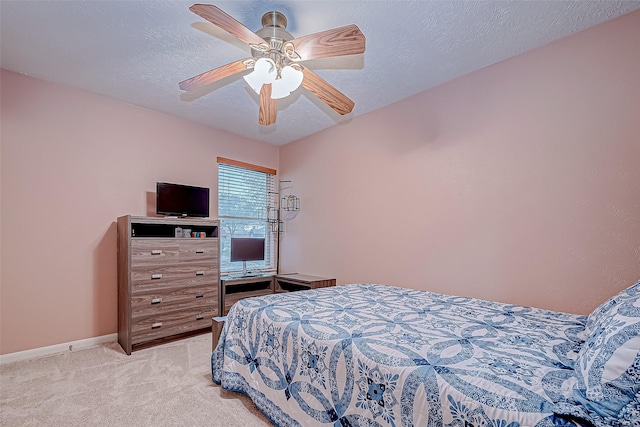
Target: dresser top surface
(305, 278)
(186, 221)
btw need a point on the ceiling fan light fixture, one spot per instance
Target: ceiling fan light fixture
(264, 72)
(290, 80)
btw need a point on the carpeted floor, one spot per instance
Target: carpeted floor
(166, 385)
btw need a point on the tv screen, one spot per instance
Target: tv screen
(247, 249)
(181, 200)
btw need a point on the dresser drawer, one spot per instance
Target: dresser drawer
(170, 323)
(198, 250)
(153, 251)
(182, 298)
(160, 276)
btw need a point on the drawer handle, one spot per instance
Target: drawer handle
(156, 252)
(156, 300)
(156, 276)
(199, 251)
(200, 273)
(156, 325)
(199, 317)
(199, 295)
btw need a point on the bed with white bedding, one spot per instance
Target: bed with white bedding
(376, 355)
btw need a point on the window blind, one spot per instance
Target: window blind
(245, 198)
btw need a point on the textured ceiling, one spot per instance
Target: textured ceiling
(138, 51)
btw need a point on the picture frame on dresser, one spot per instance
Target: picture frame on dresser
(167, 285)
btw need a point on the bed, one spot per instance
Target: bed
(377, 355)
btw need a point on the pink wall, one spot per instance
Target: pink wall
(72, 162)
(518, 183)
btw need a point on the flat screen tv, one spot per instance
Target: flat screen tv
(246, 249)
(181, 200)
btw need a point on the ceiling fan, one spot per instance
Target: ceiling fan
(276, 60)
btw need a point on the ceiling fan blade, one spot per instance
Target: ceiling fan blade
(214, 75)
(327, 93)
(216, 16)
(268, 106)
(347, 40)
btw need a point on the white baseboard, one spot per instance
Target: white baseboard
(57, 348)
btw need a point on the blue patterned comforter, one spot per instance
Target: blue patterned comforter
(375, 355)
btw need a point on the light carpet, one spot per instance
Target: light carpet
(166, 385)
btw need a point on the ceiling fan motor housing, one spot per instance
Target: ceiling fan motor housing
(274, 32)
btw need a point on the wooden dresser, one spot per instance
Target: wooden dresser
(167, 285)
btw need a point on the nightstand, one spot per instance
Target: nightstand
(301, 282)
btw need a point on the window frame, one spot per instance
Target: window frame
(233, 167)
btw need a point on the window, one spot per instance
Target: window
(245, 193)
